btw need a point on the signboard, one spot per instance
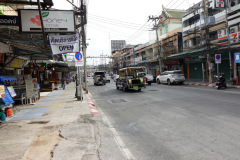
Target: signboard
(237, 57)
(61, 44)
(11, 91)
(78, 56)
(55, 21)
(217, 58)
(70, 57)
(31, 88)
(219, 4)
(9, 20)
(2, 91)
(78, 59)
(16, 62)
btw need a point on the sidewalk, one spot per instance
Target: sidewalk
(58, 127)
(199, 82)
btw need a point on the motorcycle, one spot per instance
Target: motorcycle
(221, 82)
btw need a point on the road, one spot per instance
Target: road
(173, 122)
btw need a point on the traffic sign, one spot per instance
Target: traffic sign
(78, 56)
(217, 58)
(237, 57)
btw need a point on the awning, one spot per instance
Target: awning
(187, 53)
(5, 78)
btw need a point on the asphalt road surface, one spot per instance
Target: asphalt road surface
(176, 122)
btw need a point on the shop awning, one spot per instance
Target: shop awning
(5, 78)
(187, 53)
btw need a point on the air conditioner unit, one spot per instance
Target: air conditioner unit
(232, 30)
(210, 20)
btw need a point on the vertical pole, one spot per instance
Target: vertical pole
(203, 71)
(205, 8)
(83, 9)
(43, 31)
(229, 41)
(217, 69)
(158, 49)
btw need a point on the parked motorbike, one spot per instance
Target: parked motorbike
(221, 82)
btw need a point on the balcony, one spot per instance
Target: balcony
(234, 8)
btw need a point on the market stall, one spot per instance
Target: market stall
(7, 94)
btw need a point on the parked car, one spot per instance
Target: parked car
(108, 77)
(115, 78)
(149, 79)
(170, 77)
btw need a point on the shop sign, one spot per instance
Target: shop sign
(219, 4)
(234, 38)
(41, 69)
(16, 62)
(9, 20)
(2, 91)
(1, 58)
(54, 21)
(61, 44)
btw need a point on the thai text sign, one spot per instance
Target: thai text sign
(9, 20)
(15, 63)
(64, 43)
(54, 21)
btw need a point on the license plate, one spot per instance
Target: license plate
(100, 82)
(135, 86)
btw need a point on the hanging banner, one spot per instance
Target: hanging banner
(61, 44)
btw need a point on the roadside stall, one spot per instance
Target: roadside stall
(6, 96)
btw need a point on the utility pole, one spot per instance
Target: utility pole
(205, 9)
(229, 41)
(84, 46)
(158, 42)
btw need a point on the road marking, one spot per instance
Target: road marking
(125, 151)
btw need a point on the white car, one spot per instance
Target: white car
(108, 78)
(115, 78)
(170, 77)
(149, 78)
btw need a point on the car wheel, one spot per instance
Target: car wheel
(181, 83)
(158, 81)
(168, 82)
(149, 83)
(117, 87)
(139, 90)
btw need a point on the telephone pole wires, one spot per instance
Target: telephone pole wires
(158, 42)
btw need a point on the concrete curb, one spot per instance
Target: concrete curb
(208, 85)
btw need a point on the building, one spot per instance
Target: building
(117, 45)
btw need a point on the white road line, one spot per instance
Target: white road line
(123, 148)
(126, 152)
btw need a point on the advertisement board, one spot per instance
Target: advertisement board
(54, 21)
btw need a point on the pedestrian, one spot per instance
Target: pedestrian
(63, 83)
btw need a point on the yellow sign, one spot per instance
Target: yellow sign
(2, 91)
(16, 63)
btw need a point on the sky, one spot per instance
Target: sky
(120, 20)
